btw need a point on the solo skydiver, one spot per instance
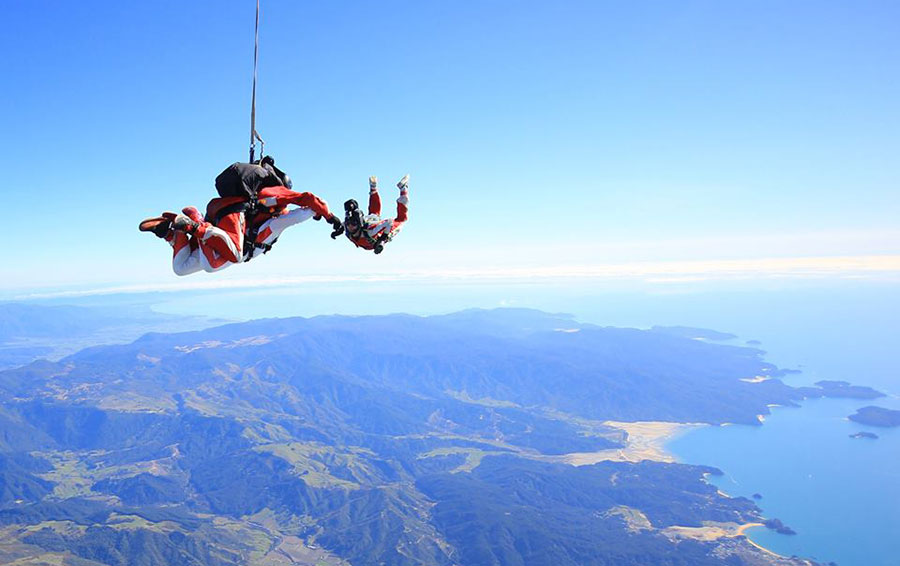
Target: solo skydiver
(370, 231)
(243, 222)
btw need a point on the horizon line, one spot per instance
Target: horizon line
(651, 272)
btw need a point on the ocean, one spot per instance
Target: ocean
(841, 494)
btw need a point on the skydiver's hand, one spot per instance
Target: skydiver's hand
(337, 225)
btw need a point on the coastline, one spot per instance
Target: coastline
(647, 440)
(742, 529)
(756, 544)
(650, 440)
(797, 483)
(745, 526)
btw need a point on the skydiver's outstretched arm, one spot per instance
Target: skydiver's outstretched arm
(279, 197)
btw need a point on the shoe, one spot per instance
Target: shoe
(373, 183)
(192, 213)
(159, 225)
(184, 224)
(404, 183)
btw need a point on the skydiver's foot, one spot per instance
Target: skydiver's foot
(159, 225)
(403, 184)
(184, 224)
(192, 213)
(373, 183)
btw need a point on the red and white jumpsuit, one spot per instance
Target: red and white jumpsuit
(215, 247)
(375, 226)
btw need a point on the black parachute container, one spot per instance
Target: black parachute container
(245, 180)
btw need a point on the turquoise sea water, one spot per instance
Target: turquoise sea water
(841, 495)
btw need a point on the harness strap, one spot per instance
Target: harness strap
(250, 210)
(250, 239)
(250, 243)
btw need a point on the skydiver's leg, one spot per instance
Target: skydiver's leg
(393, 227)
(218, 249)
(374, 199)
(185, 253)
(223, 244)
(272, 228)
(402, 201)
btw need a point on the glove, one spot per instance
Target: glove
(337, 225)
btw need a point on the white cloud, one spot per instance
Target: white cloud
(658, 272)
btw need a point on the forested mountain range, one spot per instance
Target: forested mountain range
(376, 440)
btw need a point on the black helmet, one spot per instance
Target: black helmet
(353, 219)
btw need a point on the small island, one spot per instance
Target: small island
(876, 416)
(840, 390)
(779, 527)
(871, 435)
(757, 496)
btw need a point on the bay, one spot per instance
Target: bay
(840, 494)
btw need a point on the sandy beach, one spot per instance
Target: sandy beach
(645, 440)
(710, 531)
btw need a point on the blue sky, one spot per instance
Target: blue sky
(540, 136)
